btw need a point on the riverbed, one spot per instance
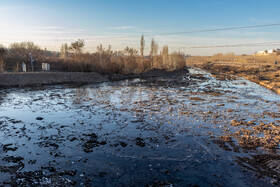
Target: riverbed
(181, 131)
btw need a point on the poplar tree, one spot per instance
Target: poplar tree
(152, 47)
(142, 43)
(165, 56)
(64, 51)
(154, 51)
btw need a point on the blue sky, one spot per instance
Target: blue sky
(50, 23)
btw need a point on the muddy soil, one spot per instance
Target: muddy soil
(190, 130)
(156, 73)
(266, 75)
(24, 79)
(43, 78)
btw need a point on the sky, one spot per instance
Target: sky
(50, 23)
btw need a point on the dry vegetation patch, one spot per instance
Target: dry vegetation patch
(259, 69)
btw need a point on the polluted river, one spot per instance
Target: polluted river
(193, 130)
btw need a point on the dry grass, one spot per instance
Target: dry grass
(104, 61)
(236, 59)
(257, 68)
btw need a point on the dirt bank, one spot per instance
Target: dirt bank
(47, 78)
(267, 75)
(42, 78)
(150, 74)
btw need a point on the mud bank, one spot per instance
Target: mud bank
(53, 78)
(267, 76)
(270, 85)
(150, 74)
(44, 78)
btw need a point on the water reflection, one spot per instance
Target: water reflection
(160, 131)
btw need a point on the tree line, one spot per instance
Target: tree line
(72, 58)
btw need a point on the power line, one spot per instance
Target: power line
(219, 29)
(168, 34)
(232, 45)
(221, 46)
(256, 44)
(180, 33)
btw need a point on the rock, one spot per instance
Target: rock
(13, 159)
(140, 142)
(39, 118)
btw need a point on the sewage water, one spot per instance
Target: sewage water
(157, 132)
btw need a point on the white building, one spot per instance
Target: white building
(268, 52)
(262, 52)
(23, 66)
(46, 67)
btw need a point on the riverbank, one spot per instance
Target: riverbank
(44, 78)
(267, 75)
(151, 74)
(49, 78)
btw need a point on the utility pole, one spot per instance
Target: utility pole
(31, 61)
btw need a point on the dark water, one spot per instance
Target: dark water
(139, 132)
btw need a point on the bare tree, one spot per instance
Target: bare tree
(21, 51)
(26, 52)
(105, 57)
(100, 49)
(3, 52)
(130, 60)
(130, 52)
(77, 46)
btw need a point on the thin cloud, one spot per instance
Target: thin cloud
(6, 28)
(49, 27)
(29, 27)
(2, 8)
(123, 27)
